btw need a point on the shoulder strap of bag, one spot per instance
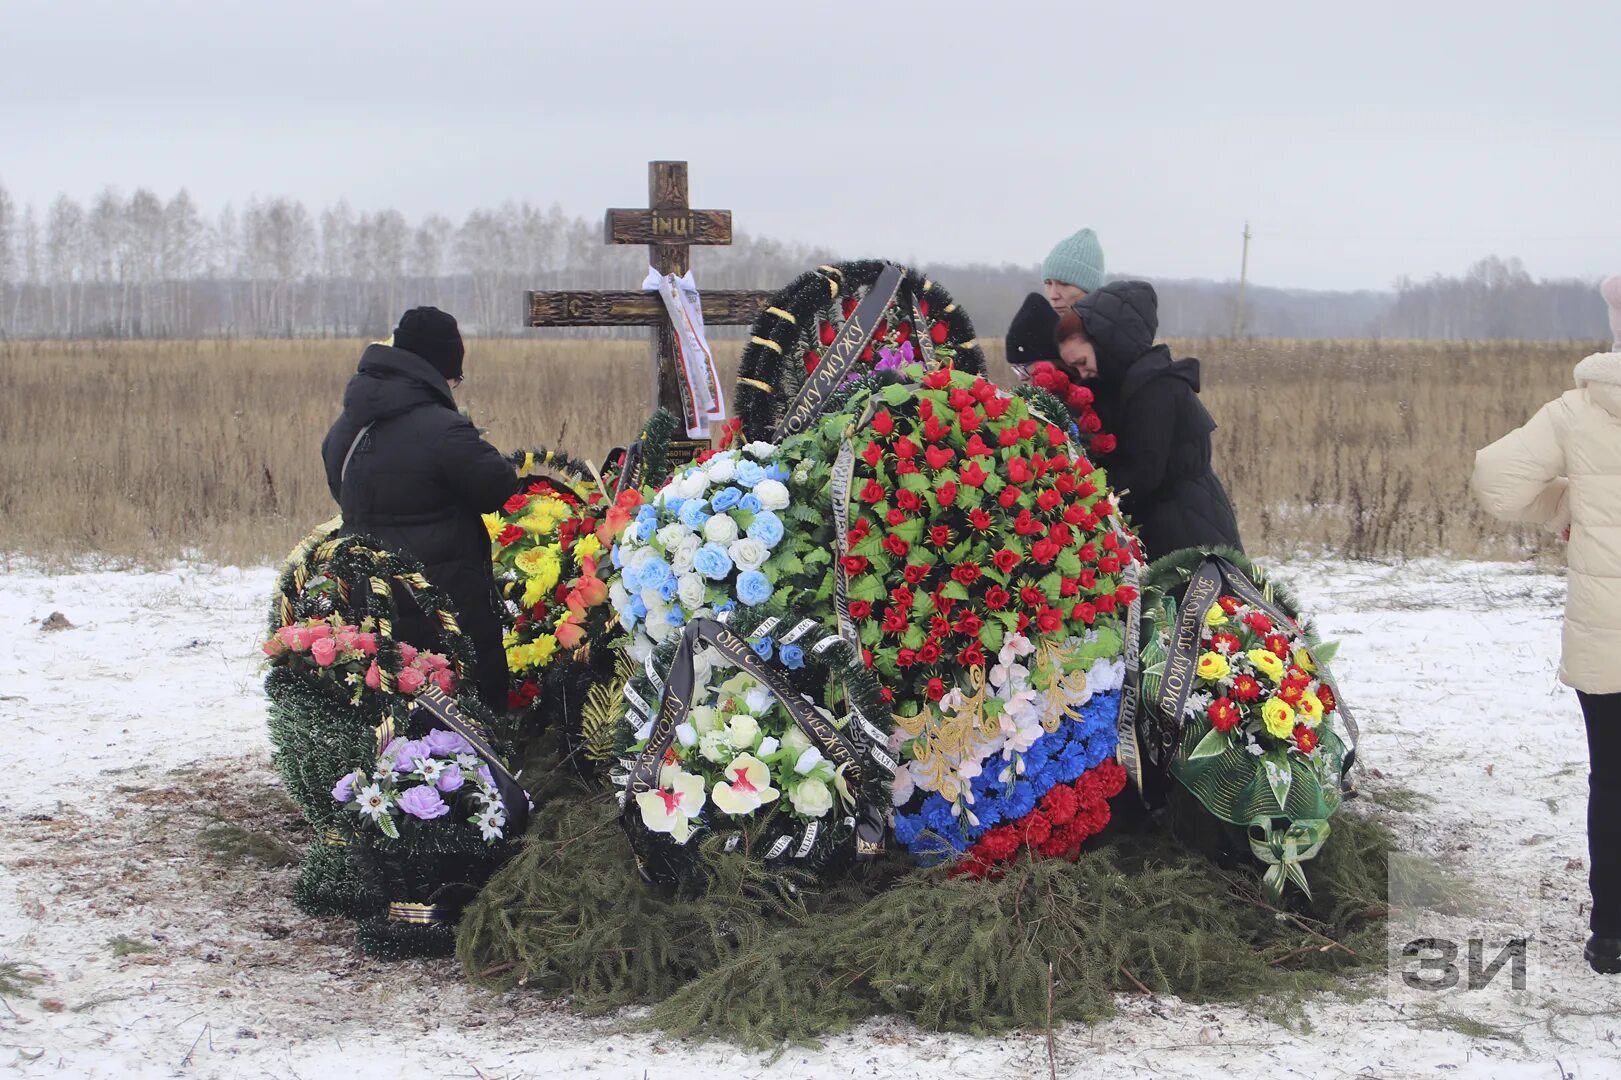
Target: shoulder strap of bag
(361, 434)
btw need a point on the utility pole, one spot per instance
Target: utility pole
(1243, 278)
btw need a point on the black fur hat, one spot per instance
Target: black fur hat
(1030, 337)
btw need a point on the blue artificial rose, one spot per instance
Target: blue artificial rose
(766, 528)
(728, 606)
(673, 504)
(642, 531)
(618, 562)
(753, 587)
(648, 516)
(667, 588)
(776, 472)
(692, 514)
(749, 473)
(762, 648)
(676, 616)
(725, 499)
(712, 562)
(751, 503)
(793, 657)
(654, 573)
(630, 577)
(637, 609)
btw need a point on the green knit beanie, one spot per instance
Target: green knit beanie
(1076, 260)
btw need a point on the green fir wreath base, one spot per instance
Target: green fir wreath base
(770, 956)
(329, 885)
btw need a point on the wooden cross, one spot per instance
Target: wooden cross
(669, 227)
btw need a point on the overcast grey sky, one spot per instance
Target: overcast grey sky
(1363, 140)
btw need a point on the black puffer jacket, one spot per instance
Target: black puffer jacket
(418, 481)
(1151, 404)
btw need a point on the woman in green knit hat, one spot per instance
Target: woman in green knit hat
(1072, 269)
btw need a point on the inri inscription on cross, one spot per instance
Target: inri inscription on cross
(669, 228)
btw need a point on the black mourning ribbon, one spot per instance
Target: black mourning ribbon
(443, 708)
(840, 356)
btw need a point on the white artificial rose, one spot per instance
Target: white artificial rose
(743, 729)
(773, 495)
(812, 798)
(686, 734)
(670, 535)
(641, 556)
(721, 468)
(692, 485)
(652, 599)
(768, 746)
(809, 758)
(716, 746)
(720, 529)
(618, 596)
(901, 788)
(703, 719)
(681, 560)
(639, 650)
(690, 588)
(760, 450)
(748, 553)
(758, 699)
(794, 739)
(688, 547)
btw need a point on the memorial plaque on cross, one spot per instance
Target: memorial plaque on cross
(669, 227)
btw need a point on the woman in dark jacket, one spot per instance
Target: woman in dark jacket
(1161, 465)
(408, 469)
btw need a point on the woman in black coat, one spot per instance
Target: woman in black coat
(1161, 464)
(408, 469)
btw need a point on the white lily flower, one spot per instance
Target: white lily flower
(671, 808)
(747, 786)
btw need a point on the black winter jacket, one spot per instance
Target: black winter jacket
(1151, 404)
(418, 481)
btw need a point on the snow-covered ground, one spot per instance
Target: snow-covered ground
(133, 730)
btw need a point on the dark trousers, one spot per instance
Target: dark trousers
(1603, 715)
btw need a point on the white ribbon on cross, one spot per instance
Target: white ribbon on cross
(702, 397)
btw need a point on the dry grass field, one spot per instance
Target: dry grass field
(145, 451)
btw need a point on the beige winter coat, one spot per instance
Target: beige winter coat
(1563, 469)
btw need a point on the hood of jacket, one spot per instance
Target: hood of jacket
(1121, 320)
(1600, 376)
(390, 382)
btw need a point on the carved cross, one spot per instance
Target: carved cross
(669, 227)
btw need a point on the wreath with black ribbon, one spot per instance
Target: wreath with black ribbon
(819, 330)
(663, 694)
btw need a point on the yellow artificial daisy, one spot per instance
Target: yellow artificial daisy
(543, 516)
(1279, 718)
(587, 546)
(492, 525)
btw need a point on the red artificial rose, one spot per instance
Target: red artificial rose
(901, 596)
(1044, 551)
(946, 493)
(896, 516)
(1049, 500)
(1065, 483)
(973, 475)
(929, 653)
(1105, 603)
(976, 447)
(826, 332)
(883, 423)
(1088, 552)
(938, 457)
(1019, 471)
(896, 546)
(996, 598)
(1055, 435)
(887, 694)
(903, 332)
(1069, 586)
(1089, 579)
(1007, 437)
(935, 689)
(1224, 715)
(1026, 524)
(968, 419)
(1125, 594)
(972, 656)
(812, 358)
(1049, 619)
(1028, 428)
(1009, 496)
(968, 623)
(894, 621)
(966, 573)
(905, 658)
(1258, 622)
(1109, 564)
(1102, 508)
(908, 500)
(925, 408)
(860, 609)
(1074, 514)
(853, 564)
(1005, 560)
(1089, 423)
(1105, 444)
(939, 535)
(1061, 534)
(983, 389)
(996, 407)
(905, 466)
(938, 332)
(1245, 688)
(1305, 738)
(916, 572)
(516, 503)
(938, 379)
(1086, 490)
(510, 535)
(866, 658)
(873, 454)
(905, 447)
(859, 531)
(848, 306)
(1085, 612)
(959, 398)
(866, 355)
(1024, 622)
(979, 519)
(873, 492)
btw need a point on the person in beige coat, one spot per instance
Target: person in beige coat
(1562, 471)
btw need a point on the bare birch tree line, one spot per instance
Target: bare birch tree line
(141, 266)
